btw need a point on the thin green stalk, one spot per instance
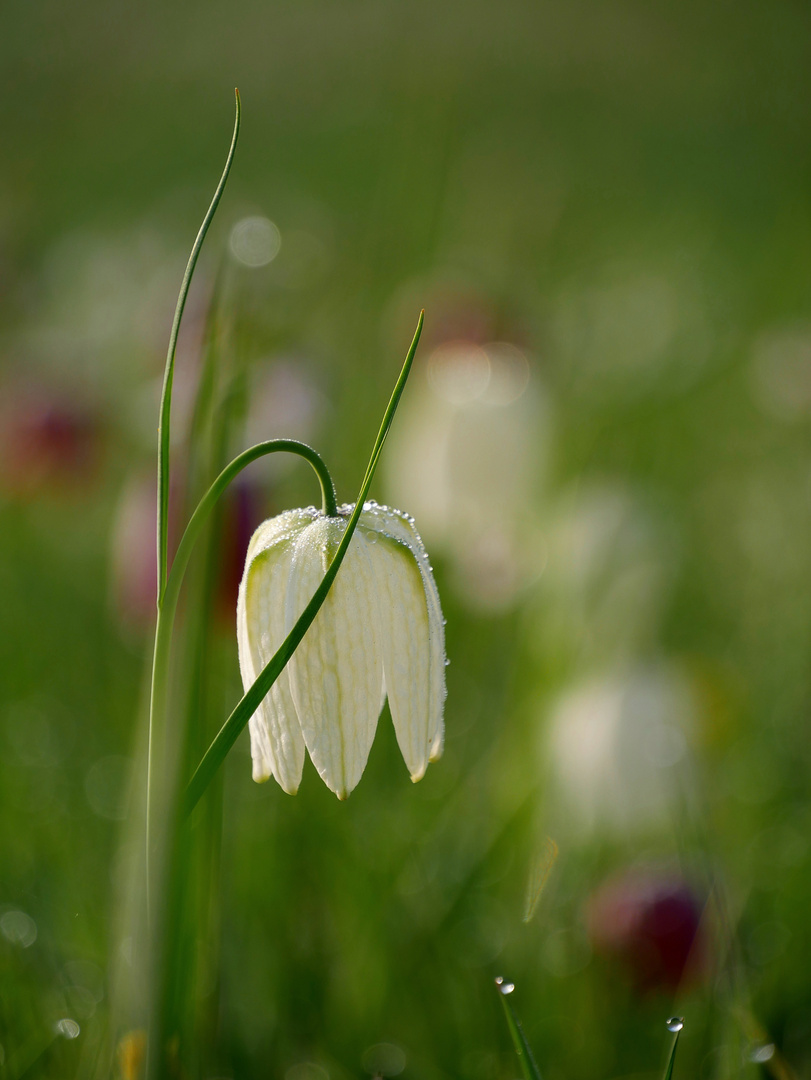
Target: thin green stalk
(160, 678)
(674, 1024)
(228, 733)
(529, 1066)
(169, 373)
(161, 651)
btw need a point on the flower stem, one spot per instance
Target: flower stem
(169, 372)
(160, 796)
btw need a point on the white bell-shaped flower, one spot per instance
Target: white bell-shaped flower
(380, 633)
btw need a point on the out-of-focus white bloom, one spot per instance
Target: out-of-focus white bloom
(379, 633)
(781, 372)
(618, 748)
(468, 455)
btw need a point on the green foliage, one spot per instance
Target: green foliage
(618, 190)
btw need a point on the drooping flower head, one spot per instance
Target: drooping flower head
(380, 633)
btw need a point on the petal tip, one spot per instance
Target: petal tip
(418, 775)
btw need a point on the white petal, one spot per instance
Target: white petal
(406, 647)
(277, 745)
(401, 528)
(337, 670)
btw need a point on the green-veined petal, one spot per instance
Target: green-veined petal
(337, 670)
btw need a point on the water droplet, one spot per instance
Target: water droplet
(675, 1024)
(67, 1028)
(761, 1053)
(504, 987)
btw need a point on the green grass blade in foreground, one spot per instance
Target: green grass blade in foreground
(674, 1024)
(169, 372)
(228, 733)
(522, 1047)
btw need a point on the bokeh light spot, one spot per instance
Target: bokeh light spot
(255, 241)
(509, 374)
(18, 928)
(459, 372)
(67, 1028)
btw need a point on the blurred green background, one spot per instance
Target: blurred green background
(605, 209)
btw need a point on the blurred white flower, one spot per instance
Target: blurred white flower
(379, 633)
(781, 372)
(615, 744)
(468, 455)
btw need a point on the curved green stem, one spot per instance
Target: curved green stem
(227, 735)
(167, 606)
(169, 373)
(206, 504)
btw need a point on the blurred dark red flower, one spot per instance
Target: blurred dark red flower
(651, 924)
(242, 514)
(48, 442)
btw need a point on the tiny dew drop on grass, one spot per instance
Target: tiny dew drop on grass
(675, 1024)
(529, 1066)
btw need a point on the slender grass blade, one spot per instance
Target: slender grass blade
(674, 1024)
(529, 1066)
